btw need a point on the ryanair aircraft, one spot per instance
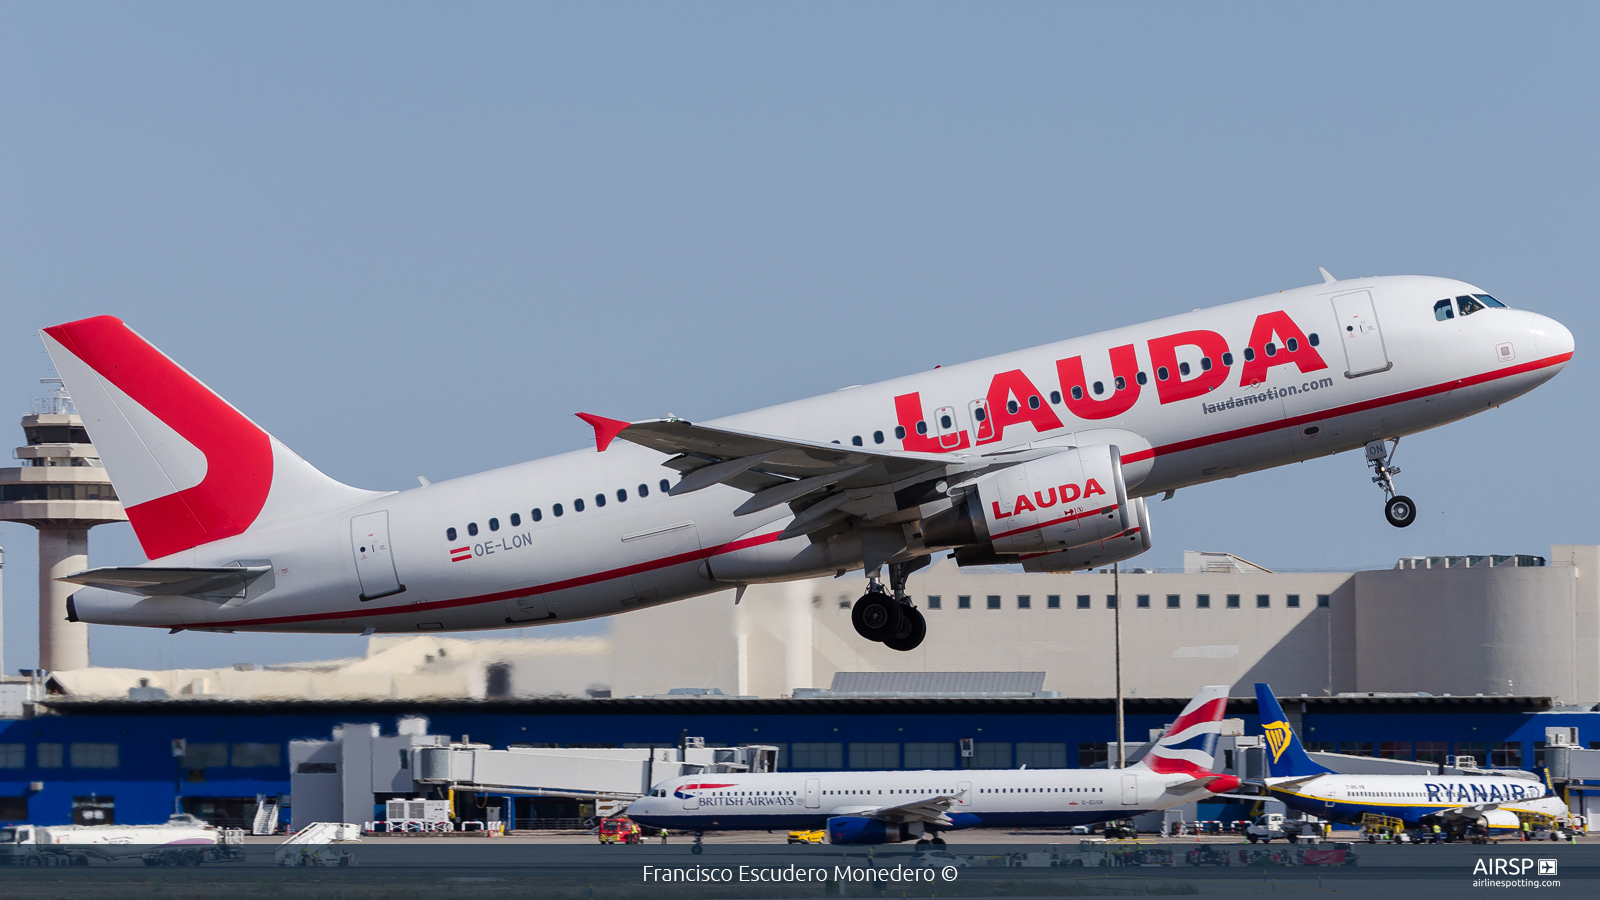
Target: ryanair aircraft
(1497, 802)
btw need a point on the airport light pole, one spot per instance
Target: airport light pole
(1116, 619)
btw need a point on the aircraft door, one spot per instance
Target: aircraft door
(691, 797)
(982, 425)
(1364, 352)
(813, 793)
(369, 539)
(1130, 790)
(944, 424)
(963, 793)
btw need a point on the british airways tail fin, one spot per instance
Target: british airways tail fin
(188, 467)
(1285, 756)
(1190, 743)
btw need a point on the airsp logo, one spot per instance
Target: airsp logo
(1547, 867)
(1278, 738)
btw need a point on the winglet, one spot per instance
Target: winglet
(605, 430)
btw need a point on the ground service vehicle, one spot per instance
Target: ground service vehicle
(809, 836)
(182, 841)
(619, 830)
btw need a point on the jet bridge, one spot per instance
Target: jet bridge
(587, 773)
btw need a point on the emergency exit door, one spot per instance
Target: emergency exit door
(369, 539)
(1364, 352)
(1130, 790)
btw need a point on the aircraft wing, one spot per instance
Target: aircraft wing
(932, 810)
(1473, 812)
(823, 483)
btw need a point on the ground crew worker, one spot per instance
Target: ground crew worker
(1525, 830)
(663, 837)
(1438, 834)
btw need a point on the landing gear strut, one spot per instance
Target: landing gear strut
(1399, 509)
(698, 847)
(888, 615)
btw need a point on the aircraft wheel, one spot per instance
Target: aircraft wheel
(696, 849)
(876, 616)
(1400, 511)
(912, 630)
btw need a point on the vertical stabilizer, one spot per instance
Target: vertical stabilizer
(1285, 757)
(188, 467)
(1190, 743)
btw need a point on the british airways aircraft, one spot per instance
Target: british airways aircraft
(1495, 802)
(1042, 457)
(888, 807)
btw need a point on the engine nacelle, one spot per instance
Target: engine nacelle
(1127, 545)
(1069, 499)
(862, 830)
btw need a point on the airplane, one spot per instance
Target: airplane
(1494, 802)
(1043, 457)
(877, 807)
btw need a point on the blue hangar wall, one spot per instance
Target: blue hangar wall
(118, 756)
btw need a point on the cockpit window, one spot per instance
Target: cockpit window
(1468, 305)
(1442, 310)
(1489, 301)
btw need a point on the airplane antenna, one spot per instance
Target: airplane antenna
(1327, 277)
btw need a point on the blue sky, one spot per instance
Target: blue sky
(414, 239)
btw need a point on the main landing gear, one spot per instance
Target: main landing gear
(1399, 509)
(888, 616)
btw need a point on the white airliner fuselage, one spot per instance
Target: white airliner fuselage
(1179, 401)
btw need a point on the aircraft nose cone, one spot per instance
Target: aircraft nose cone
(1551, 338)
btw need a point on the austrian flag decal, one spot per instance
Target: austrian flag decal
(460, 553)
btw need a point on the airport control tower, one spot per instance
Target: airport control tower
(62, 490)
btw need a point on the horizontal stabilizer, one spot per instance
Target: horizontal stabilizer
(211, 582)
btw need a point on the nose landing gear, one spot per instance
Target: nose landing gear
(888, 616)
(1399, 509)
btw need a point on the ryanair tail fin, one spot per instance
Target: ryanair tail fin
(188, 467)
(1285, 756)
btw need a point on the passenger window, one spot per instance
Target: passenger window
(1033, 402)
(494, 524)
(1077, 392)
(900, 432)
(1468, 305)
(537, 515)
(877, 436)
(1099, 388)
(1227, 359)
(856, 439)
(644, 490)
(1205, 363)
(1055, 397)
(622, 495)
(1490, 301)
(1140, 377)
(1183, 369)
(922, 427)
(1012, 407)
(472, 529)
(1272, 349)
(945, 422)
(1292, 344)
(664, 486)
(1161, 373)
(1249, 354)
(449, 534)
(1122, 383)
(1312, 337)
(599, 499)
(979, 413)
(516, 519)
(556, 508)
(577, 505)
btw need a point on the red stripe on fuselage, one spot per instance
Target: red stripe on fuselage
(1348, 409)
(580, 581)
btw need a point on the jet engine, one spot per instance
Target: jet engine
(1072, 499)
(862, 830)
(1126, 545)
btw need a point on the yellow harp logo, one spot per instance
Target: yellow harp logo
(1278, 738)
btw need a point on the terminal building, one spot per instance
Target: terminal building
(1018, 665)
